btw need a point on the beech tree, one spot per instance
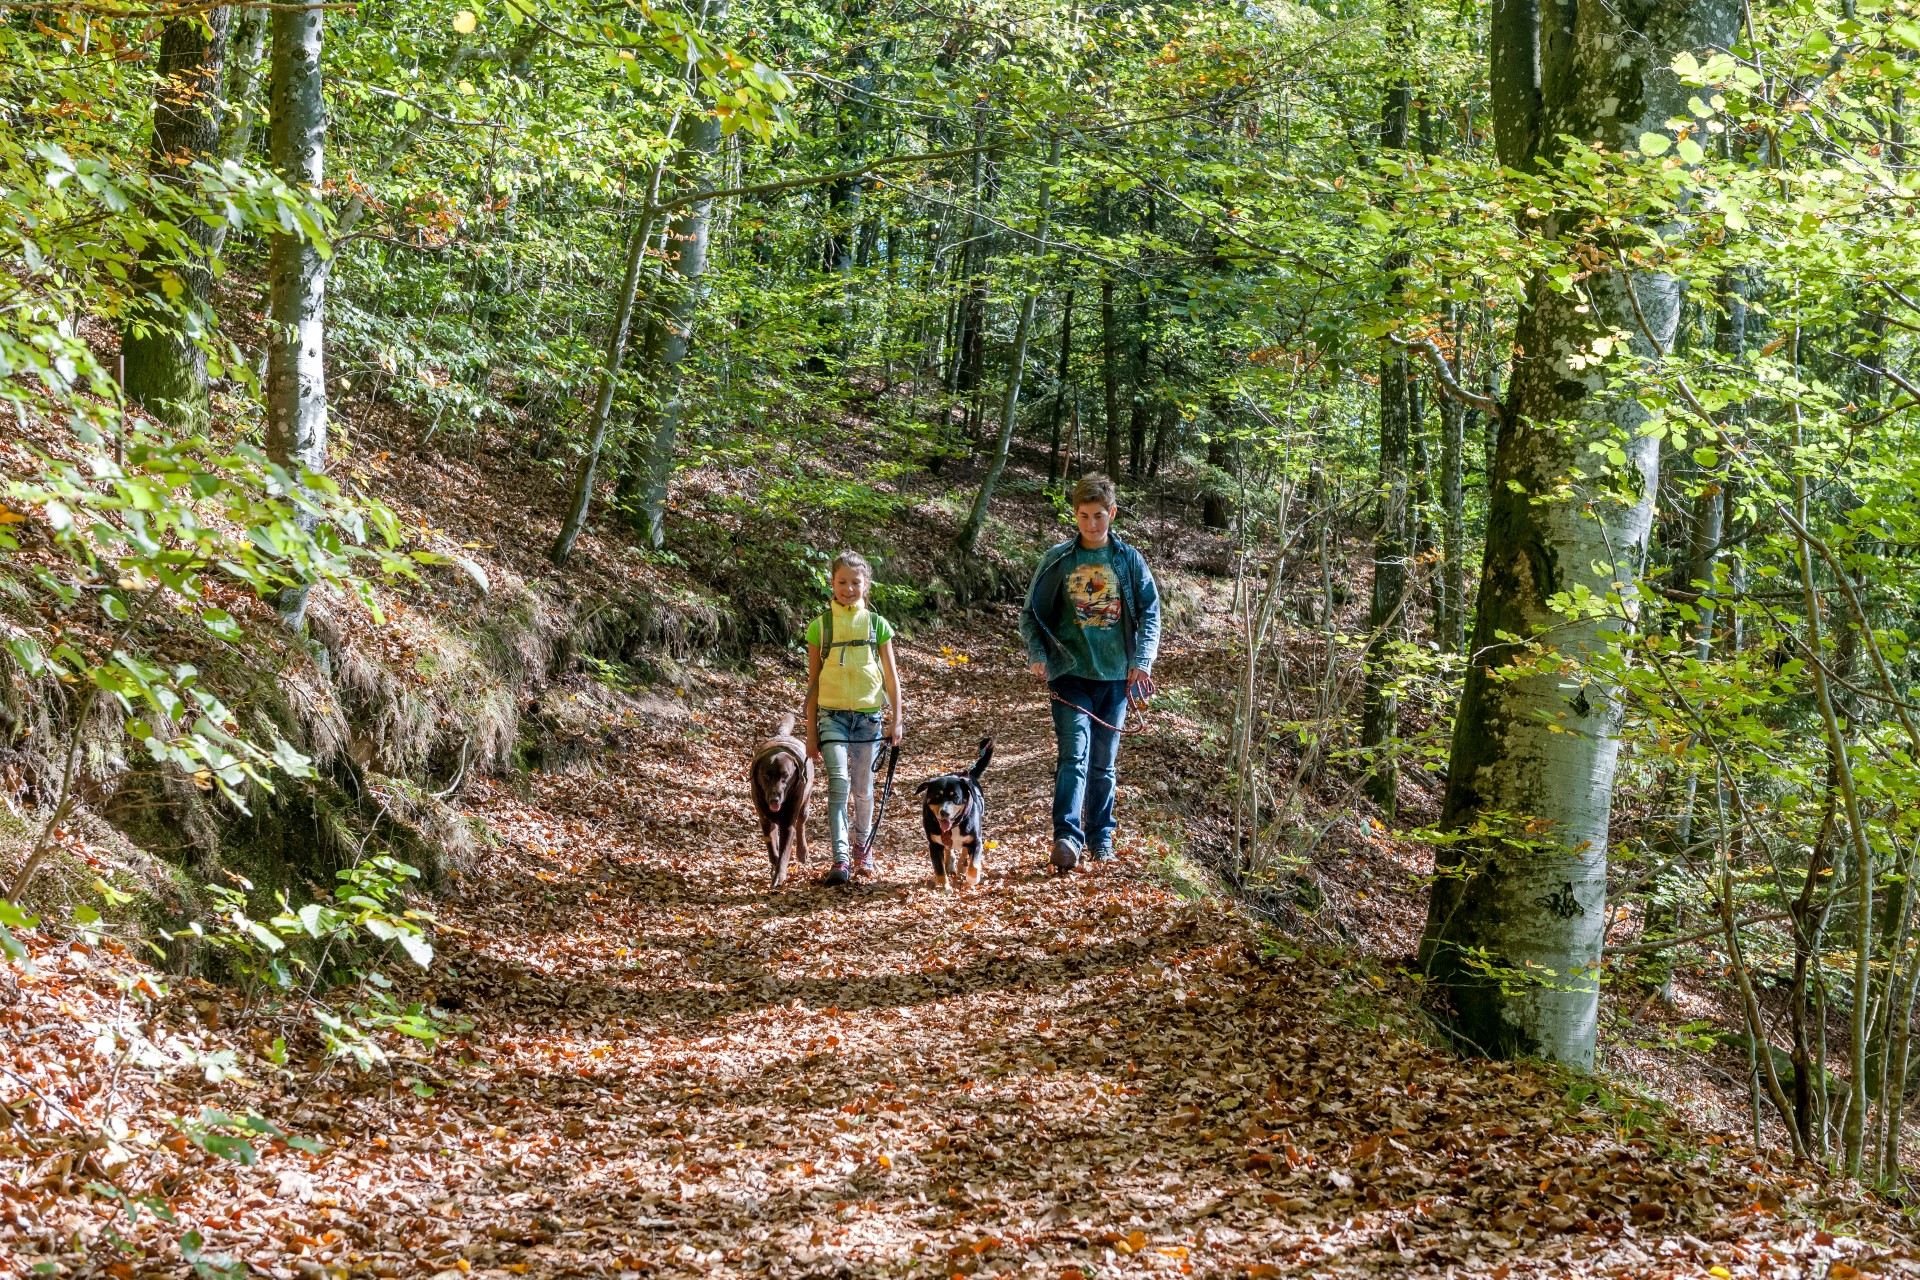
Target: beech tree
(297, 271)
(1517, 915)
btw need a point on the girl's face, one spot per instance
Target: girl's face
(849, 587)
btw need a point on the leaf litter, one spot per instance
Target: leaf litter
(669, 1070)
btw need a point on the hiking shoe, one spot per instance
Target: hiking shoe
(842, 870)
(1066, 856)
(1103, 854)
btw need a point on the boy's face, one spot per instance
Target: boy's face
(849, 587)
(1094, 521)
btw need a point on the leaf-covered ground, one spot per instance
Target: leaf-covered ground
(673, 1071)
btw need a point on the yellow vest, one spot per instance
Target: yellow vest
(850, 677)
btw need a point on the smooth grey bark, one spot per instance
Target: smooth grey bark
(1518, 910)
(163, 368)
(687, 263)
(246, 51)
(296, 273)
(1010, 404)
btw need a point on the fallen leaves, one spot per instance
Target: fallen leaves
(674, 1072)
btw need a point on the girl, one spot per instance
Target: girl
(849, 668)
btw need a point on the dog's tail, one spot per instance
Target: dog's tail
(980, 762)
(787, 720)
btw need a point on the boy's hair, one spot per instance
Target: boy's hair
(1094, 487)
(851, 560)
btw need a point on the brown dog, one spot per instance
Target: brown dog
(782, 784)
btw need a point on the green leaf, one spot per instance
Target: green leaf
(1654, 144)
(221, 623)
(1706, 456)
(418, 948)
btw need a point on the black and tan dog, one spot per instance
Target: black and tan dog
(955, 816)
(782, 783)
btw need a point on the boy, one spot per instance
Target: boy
(1092, 627)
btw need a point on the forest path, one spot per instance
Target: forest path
(689, 1074)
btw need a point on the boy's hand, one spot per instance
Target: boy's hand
(813, 747)
(895, 732)
(1038, 669)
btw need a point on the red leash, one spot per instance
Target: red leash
(1137, 698)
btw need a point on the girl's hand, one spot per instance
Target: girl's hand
(895, 732)
(813, 747)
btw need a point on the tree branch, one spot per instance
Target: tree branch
(1444, 375)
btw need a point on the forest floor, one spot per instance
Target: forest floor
(672, 1071)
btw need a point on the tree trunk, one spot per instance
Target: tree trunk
(1058, 411)
(1516, 916)
(246, 50)
(1451, 630)
(1386, 612)
(1693, 573)
(1010, 406)
(687, 260)
(583, 478)
(296, 435)
(1142, 399)
(1110, 375)
(164, 370)
(846, 246)
(837, 260)
(1164, 432)
(1215, 510)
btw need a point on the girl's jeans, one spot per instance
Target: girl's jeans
(847, 739)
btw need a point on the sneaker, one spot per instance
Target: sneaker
(863, 865)
(1066, 855)
(1103, 854)
(842, 870)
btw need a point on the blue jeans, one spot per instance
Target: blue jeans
(847, 741)
(1084, 778)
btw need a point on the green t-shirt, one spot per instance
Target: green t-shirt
(1089, 618)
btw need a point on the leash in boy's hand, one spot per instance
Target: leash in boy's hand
(1140, 692)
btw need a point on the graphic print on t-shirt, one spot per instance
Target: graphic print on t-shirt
(1095, 594)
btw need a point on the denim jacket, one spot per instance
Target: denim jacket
(1139, 609)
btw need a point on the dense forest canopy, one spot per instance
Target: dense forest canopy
(1589, 326)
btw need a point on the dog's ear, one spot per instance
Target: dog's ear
(922, 787)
